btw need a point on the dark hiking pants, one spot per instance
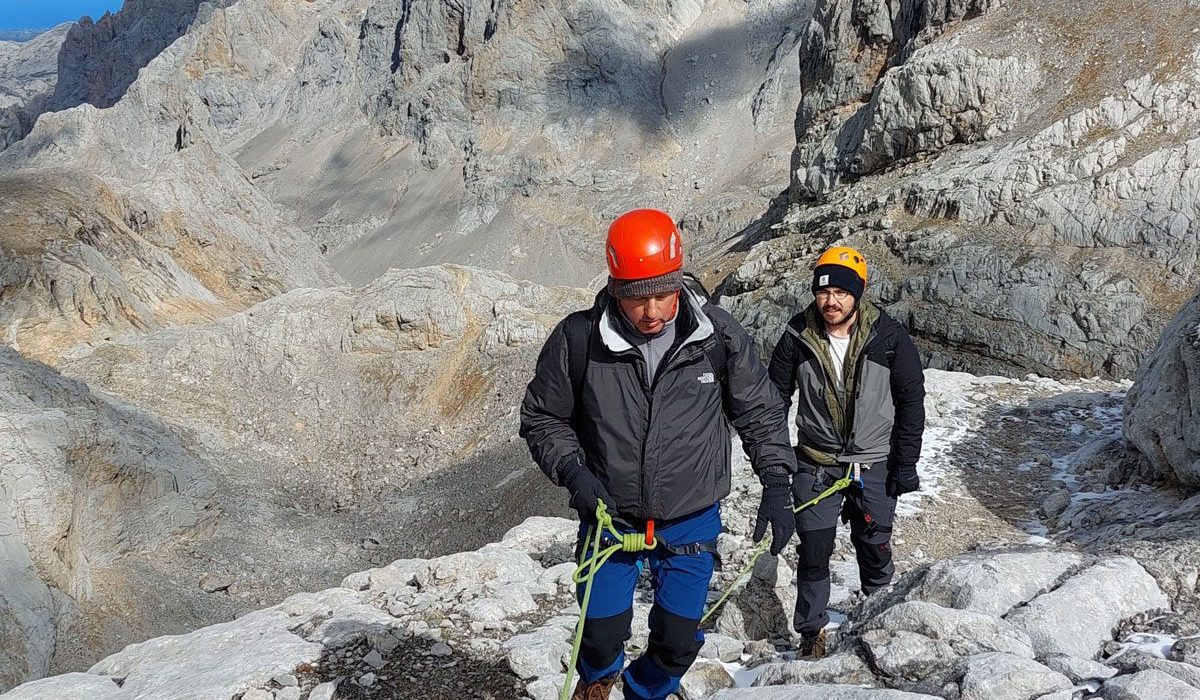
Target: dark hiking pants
(869, 512)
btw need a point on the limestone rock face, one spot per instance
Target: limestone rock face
(392, 134)
(1013, 226)
(1161, 407)
(85, 482)
(1076, 618)
(1007, 677)
(28, 73)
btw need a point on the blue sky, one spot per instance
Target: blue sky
(41, 14)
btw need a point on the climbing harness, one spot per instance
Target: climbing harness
(635, 542)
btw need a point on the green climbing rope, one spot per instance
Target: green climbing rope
(589, 565)
(763, 546)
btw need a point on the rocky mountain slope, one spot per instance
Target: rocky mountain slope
(398, 134)
(86, 481)
(273, 451)
(226, 423)
(1023, 177)
(28, 74)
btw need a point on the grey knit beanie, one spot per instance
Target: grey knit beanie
(649, 287)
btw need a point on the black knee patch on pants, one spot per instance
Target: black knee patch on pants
(873, 549)
(814, 550)
(604, 638)
(673, 645)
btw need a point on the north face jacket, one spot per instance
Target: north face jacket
(879, 415)
(662, 449)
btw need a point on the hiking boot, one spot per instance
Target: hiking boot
(596, 690)
(812, 646)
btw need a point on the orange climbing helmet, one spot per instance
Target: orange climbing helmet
(841, 267)
(645, 254)
(643, 243)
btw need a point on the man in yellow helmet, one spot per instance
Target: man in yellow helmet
(857, 380)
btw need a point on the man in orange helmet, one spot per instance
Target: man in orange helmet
(860, 395)
(630, 406)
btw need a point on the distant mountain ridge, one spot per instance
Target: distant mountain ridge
(20, 34)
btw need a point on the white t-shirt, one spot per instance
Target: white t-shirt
(837, 352)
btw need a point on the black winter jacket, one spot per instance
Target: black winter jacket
(662, 450)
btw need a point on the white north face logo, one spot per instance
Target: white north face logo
(824, 281)
(707, 378)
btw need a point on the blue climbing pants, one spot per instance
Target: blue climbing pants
(680, 583)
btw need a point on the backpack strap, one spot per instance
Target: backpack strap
(578, 330)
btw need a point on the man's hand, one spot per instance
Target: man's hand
(902, 479)
(776, 509)
(586, 490)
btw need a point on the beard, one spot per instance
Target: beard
(841, 318)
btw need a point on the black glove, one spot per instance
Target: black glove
(902, 479)
(776, 509)
(586, 490)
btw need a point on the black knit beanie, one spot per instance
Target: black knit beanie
(837, 276)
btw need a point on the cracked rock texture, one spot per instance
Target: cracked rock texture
(1027, 204)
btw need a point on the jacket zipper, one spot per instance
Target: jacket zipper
(651, 389)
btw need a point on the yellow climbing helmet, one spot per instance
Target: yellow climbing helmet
(845, 256)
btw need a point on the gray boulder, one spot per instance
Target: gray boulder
(1079, 616)
(1147, 685)
(1161, 407)
(966, 633)
(842, 668)
(1137, 660)
(1078, 670)
(762, 608)
(704, 678)
(818, 692)
(722, 648)
(1187, 651)
(907, 655)
(1008, 677)
(992, 583)
(538, 654)
(69, 685)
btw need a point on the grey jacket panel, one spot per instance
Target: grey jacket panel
(874, 415)
(661, 449)
(815, 423)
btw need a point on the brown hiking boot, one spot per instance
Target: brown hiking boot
(811, 646)
(596, 690)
